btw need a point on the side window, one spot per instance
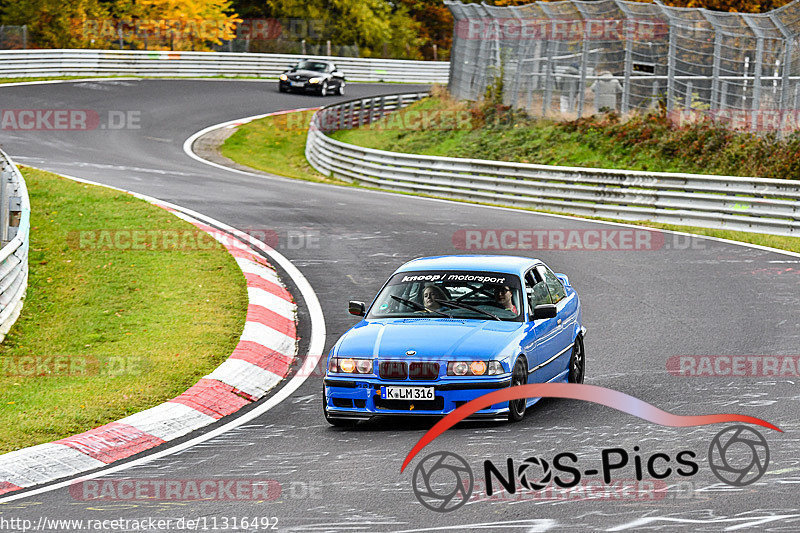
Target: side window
(536, 289)
(557, 291)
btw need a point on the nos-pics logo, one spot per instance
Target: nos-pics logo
(443, 481)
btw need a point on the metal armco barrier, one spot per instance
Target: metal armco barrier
(15, 223)
(736, 203)
(40, 63)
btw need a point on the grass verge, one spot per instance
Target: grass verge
(275, 144)
(268, 144)
(652, 142)
(107, 331)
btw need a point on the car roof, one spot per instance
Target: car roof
(507, 264)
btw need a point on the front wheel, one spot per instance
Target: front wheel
(519, 376)
(323, 91)
(577, 363)
(340, 90)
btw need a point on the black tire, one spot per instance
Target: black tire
(519, 376)
(281, 89)
(337, 422)
(577, 363)
(340, 89)
(323, 91)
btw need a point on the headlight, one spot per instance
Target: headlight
(315, 80)
(478, 368)
(349, 365)
(474, 368)
(284, 77)
(458, 369)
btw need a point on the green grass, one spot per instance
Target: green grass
(268, 145)
(274, 144)
(645, 142)
(140, 326)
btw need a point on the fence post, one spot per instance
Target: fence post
(584, 67)
(687, 103)
(4, 206)
(757, 82)
(548, 73)
(715, 69)
(626, 87)
(788, 40)
(671, 69)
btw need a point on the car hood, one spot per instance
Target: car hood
(429, 338)
(306, 73)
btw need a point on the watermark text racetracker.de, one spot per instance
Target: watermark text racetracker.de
(29, 366)
(603, 239)
(734, 365)
(154, 239)
(69, 120)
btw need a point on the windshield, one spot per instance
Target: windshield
(311, 65)
(450, 293)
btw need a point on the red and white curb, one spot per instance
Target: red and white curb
(262, 359)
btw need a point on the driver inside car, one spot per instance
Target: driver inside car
(430, 294)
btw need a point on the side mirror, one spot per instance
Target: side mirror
(359, 309)
(540, 312)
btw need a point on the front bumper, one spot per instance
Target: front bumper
(360, 397)
(305, 87)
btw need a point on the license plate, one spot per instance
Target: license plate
(298, 83)
(407, 393)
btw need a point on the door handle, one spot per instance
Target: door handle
(559, 321)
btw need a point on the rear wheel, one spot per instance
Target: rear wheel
(519, 376)
(338, 422)
(577, 363)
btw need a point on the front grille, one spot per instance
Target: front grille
(422, 370)
(393, 370)
(436, 404)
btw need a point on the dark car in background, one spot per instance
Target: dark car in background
(313, 75)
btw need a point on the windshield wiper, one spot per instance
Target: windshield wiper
(451, 303)
(415, 305)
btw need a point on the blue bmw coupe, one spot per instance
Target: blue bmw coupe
(445, 330)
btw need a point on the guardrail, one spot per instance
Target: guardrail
(42, 63)
(15, 223)
(729, 202)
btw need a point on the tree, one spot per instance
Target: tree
(436, 25)
(175, 24)
(55, 23)
(155, 24)
(375, 26)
